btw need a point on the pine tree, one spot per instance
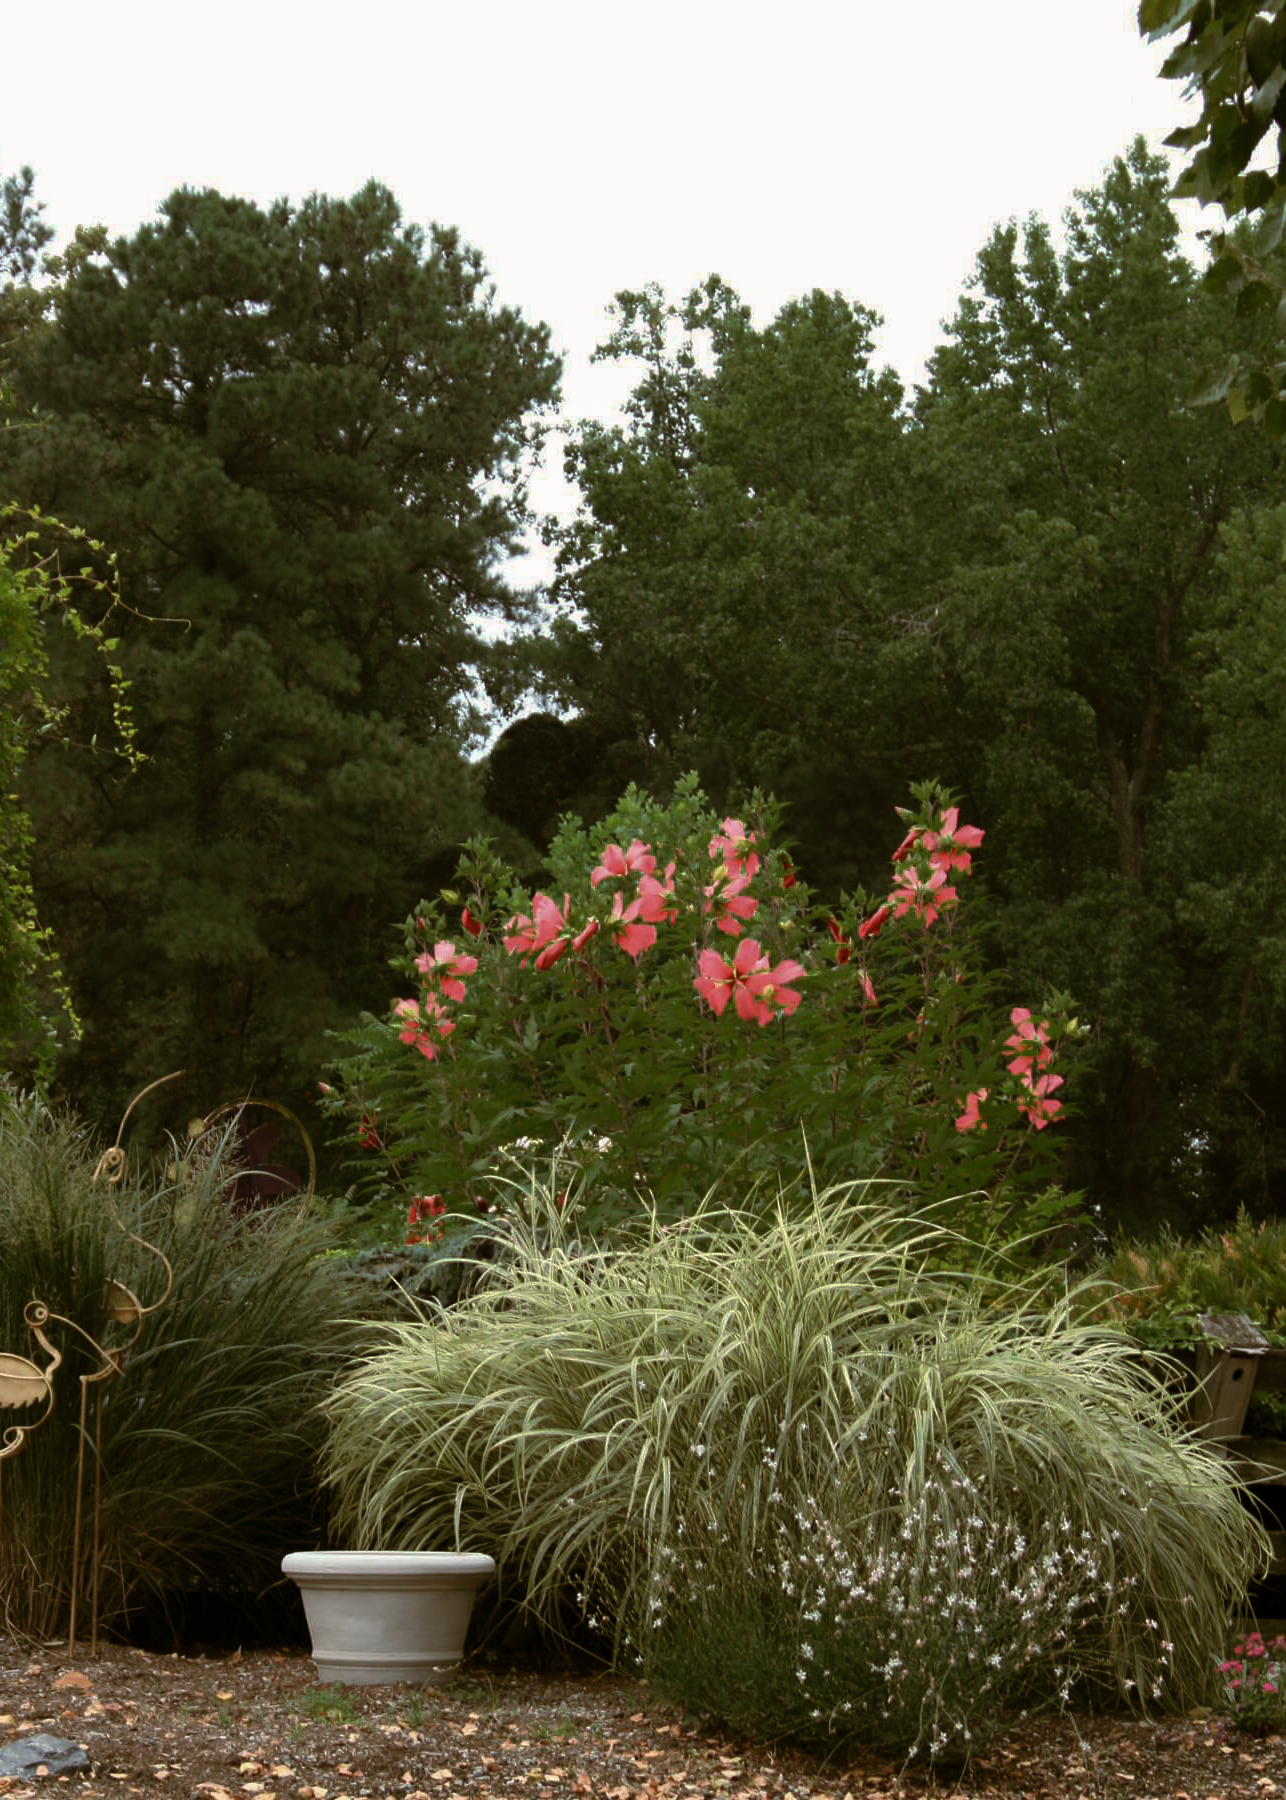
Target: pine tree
(302, 429)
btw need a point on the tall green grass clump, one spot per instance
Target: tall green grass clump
(806, 1476)
(210, 1437)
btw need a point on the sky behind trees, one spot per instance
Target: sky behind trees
(586, 148)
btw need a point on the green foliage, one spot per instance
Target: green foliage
(737, 578)
(24, 232)
(1158, 1287)
(1254, 1674)
(35, 594)
(784, 576)
(303, 429)
(1075, 627)
(607, 1049)
(209, 1437)
(1232, 58)
(708, 1431)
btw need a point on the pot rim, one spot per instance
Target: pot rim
(388, 1562)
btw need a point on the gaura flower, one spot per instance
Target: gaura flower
(618, 863)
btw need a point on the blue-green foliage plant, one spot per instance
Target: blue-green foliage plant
(819, 1468)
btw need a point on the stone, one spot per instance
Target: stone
(57, 1756)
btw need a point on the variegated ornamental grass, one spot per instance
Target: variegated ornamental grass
(813, 1466)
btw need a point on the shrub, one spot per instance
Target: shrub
(208, 1440)
(676, 1014)
(1159, 1287)
(811, 1479)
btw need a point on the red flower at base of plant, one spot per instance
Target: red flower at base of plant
(424, 1206)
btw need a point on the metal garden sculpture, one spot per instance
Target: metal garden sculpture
(26, 1383)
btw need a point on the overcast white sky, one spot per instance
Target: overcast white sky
(586, 146)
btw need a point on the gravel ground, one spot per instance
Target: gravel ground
(260, 1726)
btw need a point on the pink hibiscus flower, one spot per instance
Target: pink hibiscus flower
(926, 895)
(970, 1118)
(618, 863)
(950, 844)
(736, 846)
(541, 934)
(445, 965)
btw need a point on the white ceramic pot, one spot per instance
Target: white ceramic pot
(387, 1615)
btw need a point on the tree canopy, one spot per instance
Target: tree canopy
(1232, 58)
(302, 428)
(789, 576)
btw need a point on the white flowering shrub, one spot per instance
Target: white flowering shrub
(921, 1642)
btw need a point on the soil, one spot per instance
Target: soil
(260, 1726)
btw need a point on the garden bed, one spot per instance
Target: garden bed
(259, 1727)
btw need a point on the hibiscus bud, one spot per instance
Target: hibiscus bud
(873, 926)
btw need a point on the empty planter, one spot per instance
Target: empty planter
(387, 1615)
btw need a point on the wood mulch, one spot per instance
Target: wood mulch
(260, 1726)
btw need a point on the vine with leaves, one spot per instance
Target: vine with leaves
(36, 593)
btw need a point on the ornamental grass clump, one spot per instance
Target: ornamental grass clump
(209, 1436)
(806, 1475)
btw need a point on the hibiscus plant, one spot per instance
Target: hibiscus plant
(673, 1017)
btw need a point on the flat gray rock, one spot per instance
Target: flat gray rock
(23, 1756)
